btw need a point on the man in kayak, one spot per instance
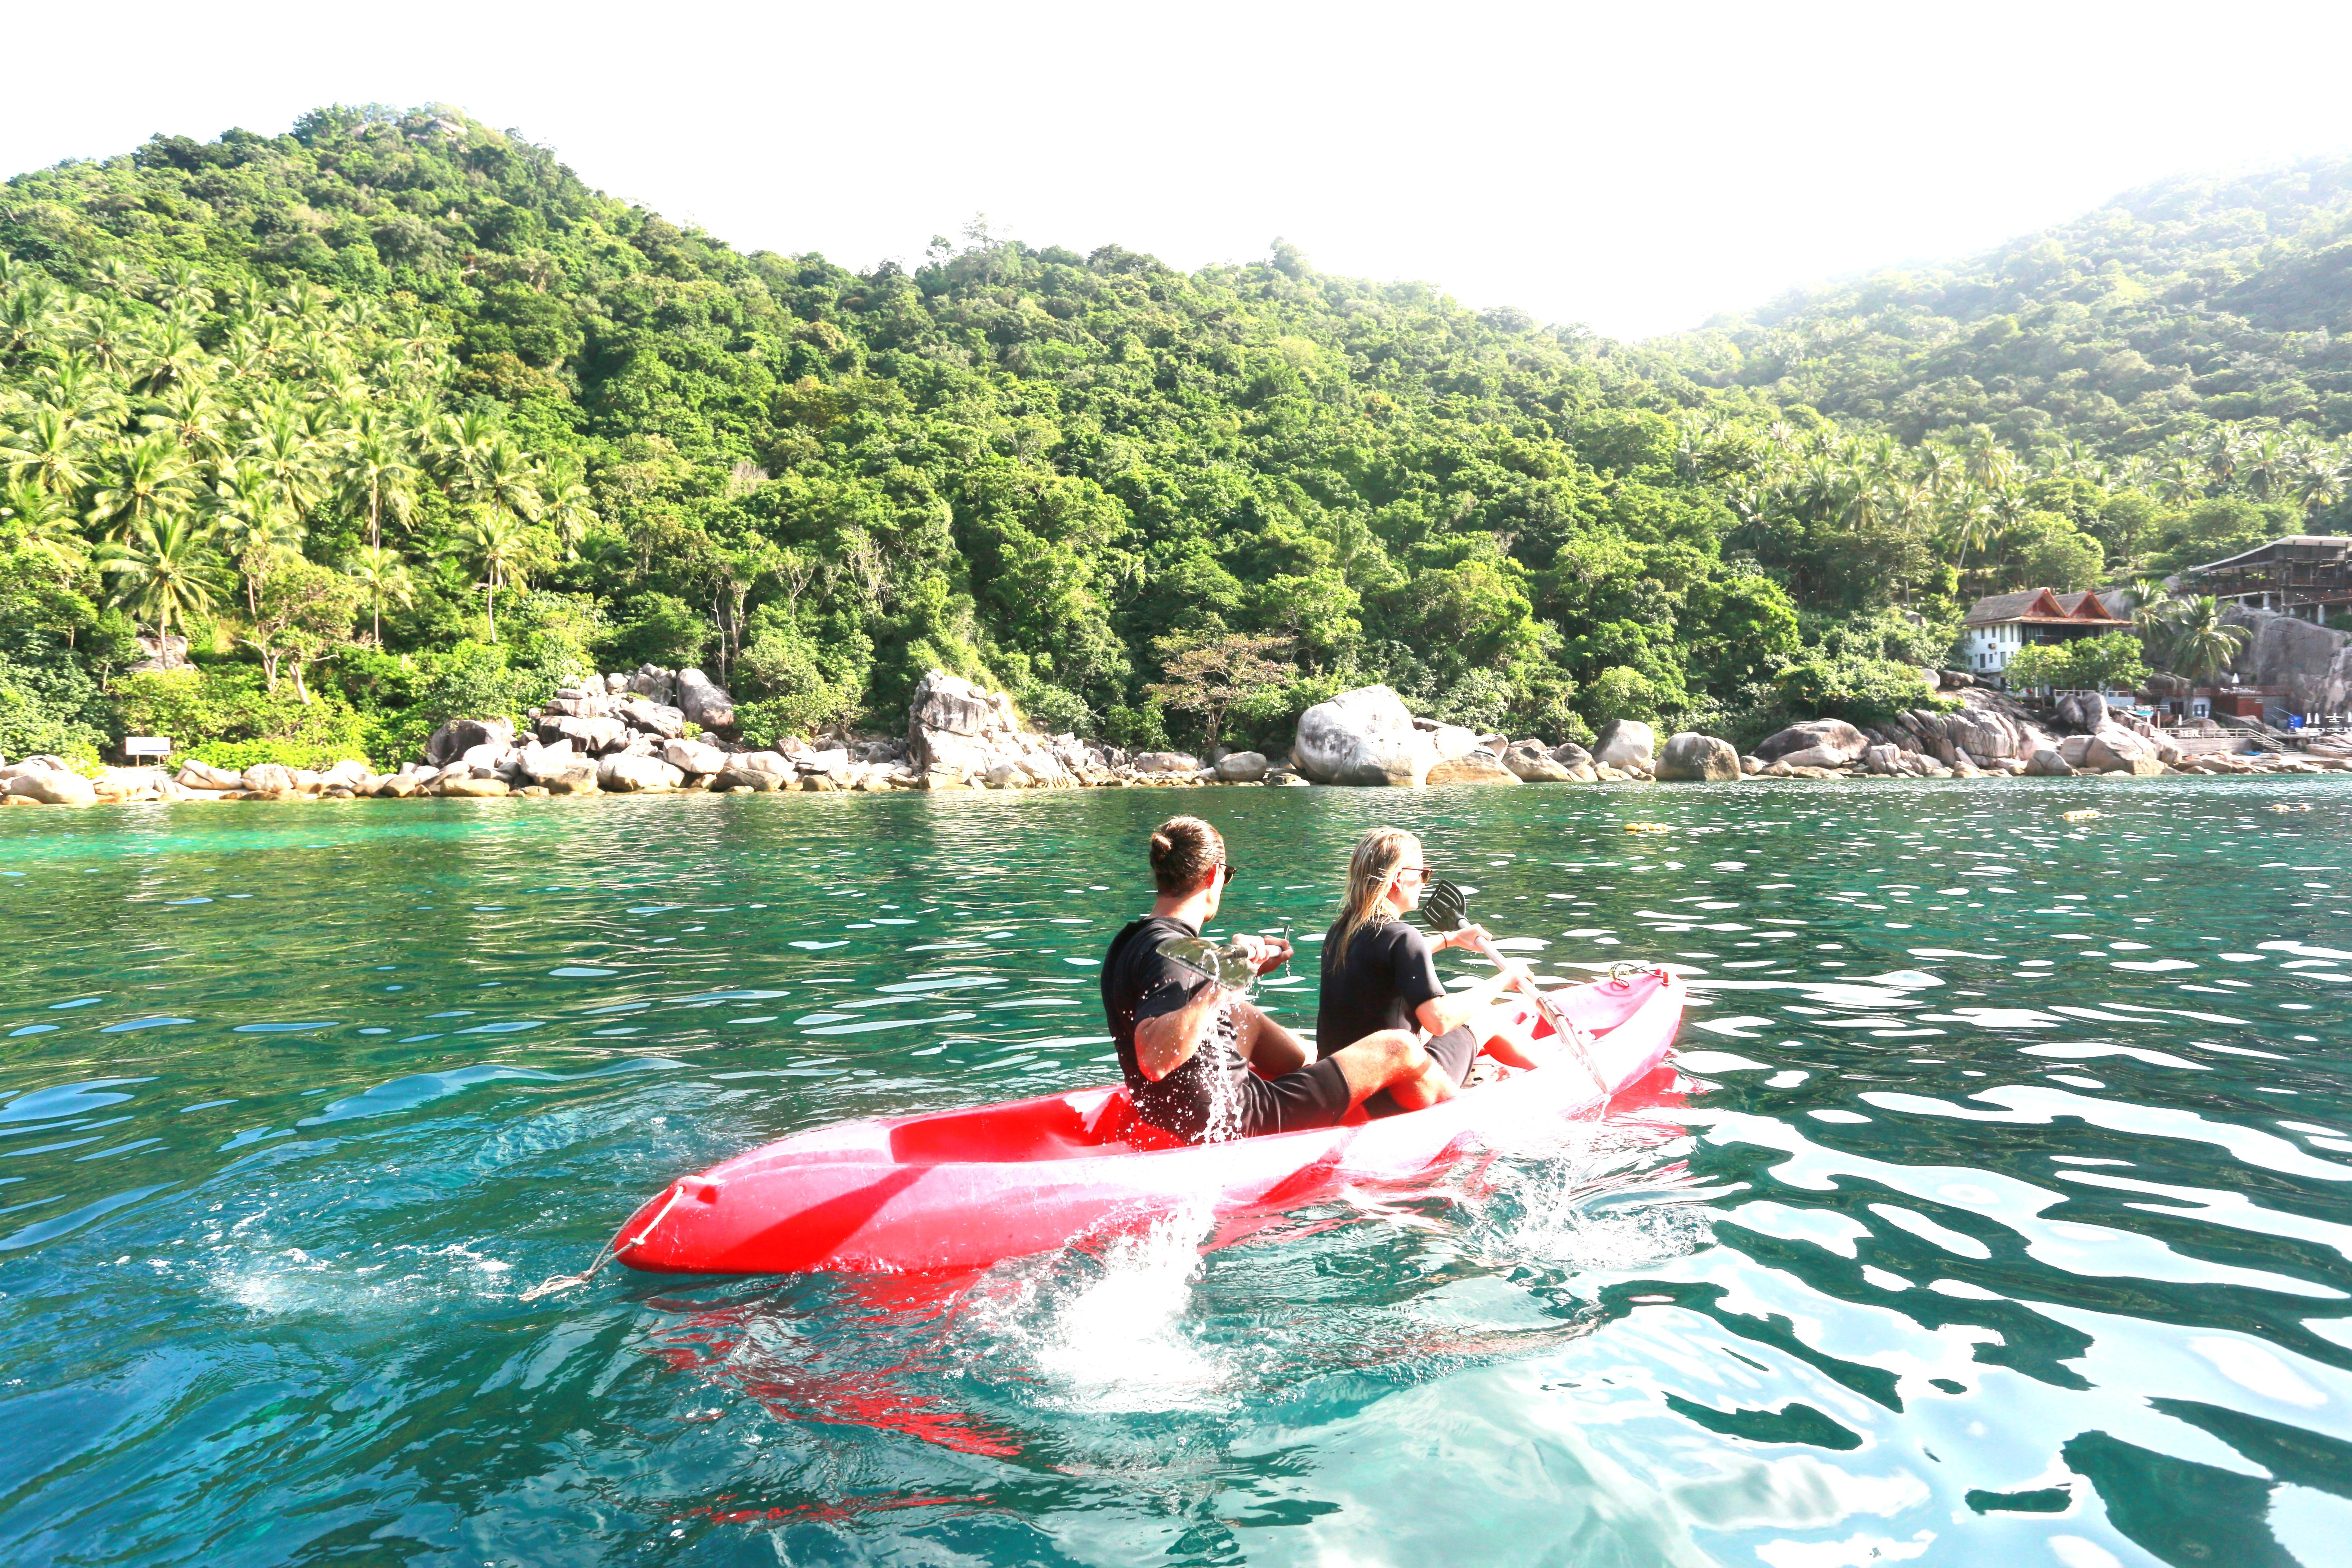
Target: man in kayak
(1379, 974)
(1205, 1064)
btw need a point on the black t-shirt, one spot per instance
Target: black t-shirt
(1388, 972)
(1139, 984)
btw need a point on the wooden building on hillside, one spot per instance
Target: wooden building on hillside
(2001, 624)
(2306, 576)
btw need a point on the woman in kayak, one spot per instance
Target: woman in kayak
(1205, 1064)
(1379, 974)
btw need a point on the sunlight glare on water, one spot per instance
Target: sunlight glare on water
(1998, 1210)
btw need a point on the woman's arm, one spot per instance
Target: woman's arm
(1455, 1008)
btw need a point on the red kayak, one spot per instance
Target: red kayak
(964, 1189)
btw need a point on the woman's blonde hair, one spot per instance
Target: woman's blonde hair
(1370, 869)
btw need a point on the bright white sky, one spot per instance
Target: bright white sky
(1635, 167)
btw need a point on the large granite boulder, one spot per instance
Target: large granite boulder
(1479, 767)
(1242, 767)
(460, 736)
(2085, 711)
(1362, 737)
(763, 772)
(1692, 756)
(548, 765)
(955, 731)
(470, 788)
(580, 702)
(2113, 749)
(589, 737)
(345, 773)
(647, 680)
(1452, 741)
(1532, 764)
(1167, 763)
(195, 774)
(694, 757)
(1626, 743)
(54, 786)
(268, 778)
(704, 701)
(1838, 740)
(653, 717)
(2048, 764)
(625, 774)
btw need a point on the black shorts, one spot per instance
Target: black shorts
(1453, 1052)
(1313, 1096)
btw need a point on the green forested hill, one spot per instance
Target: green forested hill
(397, 417)
(2187, 301)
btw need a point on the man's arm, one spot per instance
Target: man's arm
(1166, 1041)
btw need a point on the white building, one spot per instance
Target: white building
(1998, 625)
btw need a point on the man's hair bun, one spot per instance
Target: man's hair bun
(1185, 852)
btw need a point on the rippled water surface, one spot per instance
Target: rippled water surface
(2000, 1212)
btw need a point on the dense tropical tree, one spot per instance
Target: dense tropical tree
(163, 572)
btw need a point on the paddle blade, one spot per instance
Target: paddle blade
(1219, 965)
(1442, 908)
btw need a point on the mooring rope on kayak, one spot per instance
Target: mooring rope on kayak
(609, 1251)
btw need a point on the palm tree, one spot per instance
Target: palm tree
(163, 573)
(45, 524)
(1989, 465)
(108, 333)
(2203, 646)
(193, 417)
(88, 396)
(29, 316)
(146, 479)
(383, 578)
(2267, 464)
(2222, 448)
(460, 439)
(565, 500)
(172, 356)
(283, 446)
(500, 477)
(48, 451)
(2180, 480)
(2318, 482)
(116, 275)
(180, 285)
(1941, 470)
(249, 519)
(1973, 526)
(496, 544)
(374, 467)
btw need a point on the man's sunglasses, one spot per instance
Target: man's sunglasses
(1230, 871)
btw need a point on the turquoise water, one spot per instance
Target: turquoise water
(2001, 1212)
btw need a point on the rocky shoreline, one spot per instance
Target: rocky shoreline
(656, 730)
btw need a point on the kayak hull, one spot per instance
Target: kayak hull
(966, 1189)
